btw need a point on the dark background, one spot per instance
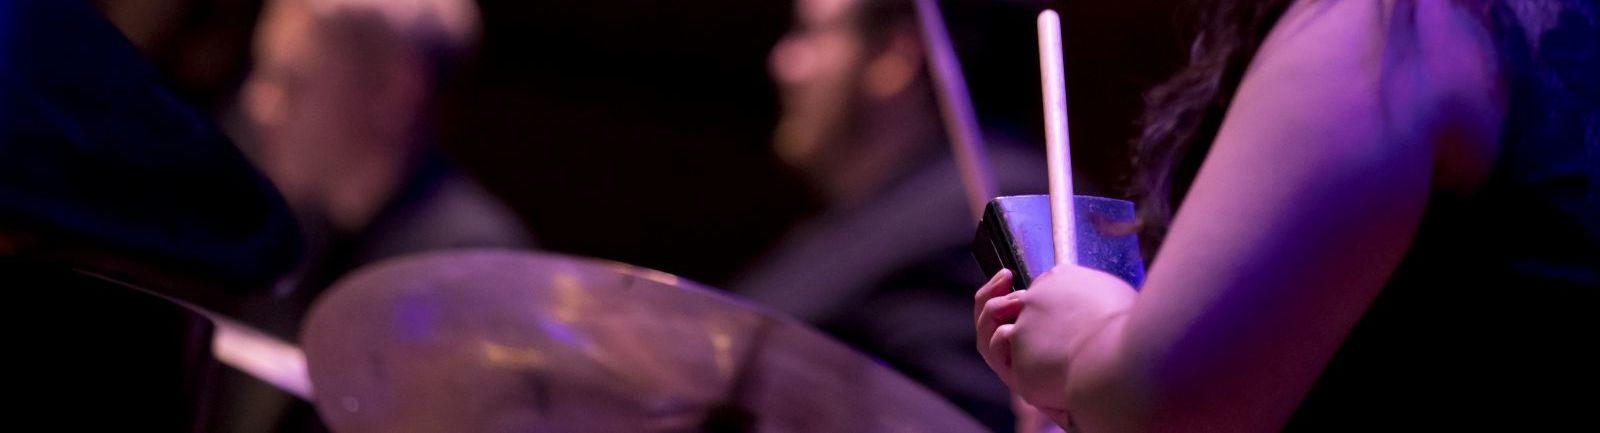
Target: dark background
(638, 130)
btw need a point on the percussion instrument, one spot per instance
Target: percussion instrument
(500, 341)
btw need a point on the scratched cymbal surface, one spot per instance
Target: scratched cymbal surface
(501, 341)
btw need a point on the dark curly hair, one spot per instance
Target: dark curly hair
(1184, 113)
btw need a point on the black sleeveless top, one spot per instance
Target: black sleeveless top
(1492, 322)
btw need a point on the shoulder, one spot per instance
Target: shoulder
(453, 212)
(1430, 69)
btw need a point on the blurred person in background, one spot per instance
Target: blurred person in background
(885, 266)
(338, 111)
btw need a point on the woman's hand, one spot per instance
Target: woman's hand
(994, 309)
(1031, 420)
(1029, 337)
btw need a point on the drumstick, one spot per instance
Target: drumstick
(274, 361)
(1057, 144)
(256, 353)
(955, 104)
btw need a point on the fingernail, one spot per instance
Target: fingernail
(997, 276)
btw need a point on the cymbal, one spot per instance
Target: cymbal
(500, 341)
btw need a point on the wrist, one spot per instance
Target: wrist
(1102, 392)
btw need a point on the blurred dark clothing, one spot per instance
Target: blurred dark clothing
(95, 154)
(436, 208)
(1489, 323)
(103, 169)
(893, 276)
(439, 208)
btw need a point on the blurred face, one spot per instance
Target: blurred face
(331, 105)
(283, 68)
(289, 106)
(817, 68)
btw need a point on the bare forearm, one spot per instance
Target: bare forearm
(1104, 393)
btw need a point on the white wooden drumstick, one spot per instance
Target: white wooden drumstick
(256, 353)
(274, 361)
(1057, 143)
(960, 120)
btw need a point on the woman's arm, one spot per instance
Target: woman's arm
(1350, 115)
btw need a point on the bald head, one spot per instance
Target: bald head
(449, 23)
(341, 93)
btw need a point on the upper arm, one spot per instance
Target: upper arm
(1308, 200)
